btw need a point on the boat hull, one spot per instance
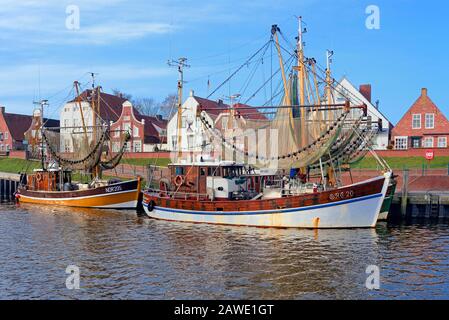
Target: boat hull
(386, 205)
(123, 195)
(359, 211)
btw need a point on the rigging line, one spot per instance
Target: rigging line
(236, 71)
(266, 82)
(252, 75)
(55, 110)
(315, 73)
(278, 87)
(236, 47)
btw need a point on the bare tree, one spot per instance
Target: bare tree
(118, 93)
(146, 106)
(168, 106)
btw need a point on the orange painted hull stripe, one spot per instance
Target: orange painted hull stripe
(98, 201)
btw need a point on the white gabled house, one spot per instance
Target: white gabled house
(363, 94)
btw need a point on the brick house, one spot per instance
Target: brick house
(423, 126)
(14, 129)
(148, 133)
(193, 134)
(33, 135)
(70, 115)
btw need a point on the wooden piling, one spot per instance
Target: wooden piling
(404, 199)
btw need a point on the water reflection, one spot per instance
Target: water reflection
(121, 255)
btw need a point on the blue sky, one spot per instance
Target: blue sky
(128, 44)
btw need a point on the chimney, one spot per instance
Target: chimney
(424, 92)
(192, 93)
(2, 109)
(365, 90)
(159, 117)
(220, 102)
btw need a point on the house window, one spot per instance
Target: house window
(1, 135)
(416, 123)
(428, 142)
(442, 142)
(416, 142)
(128, 146)
(116, 133)
(66, 123)
(224, 123)
(127, 127)
(115, 147)
(137, 146)
(136, 132)
(190, 142)
(6, 135)
(174, 142)
(8, 147)
(401, 143)
(430, 120)
(2, 147)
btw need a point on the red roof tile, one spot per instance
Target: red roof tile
(214, 108)
(110, 105)
(151, 133)
(17, 125)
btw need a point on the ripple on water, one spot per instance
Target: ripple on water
(122, 256)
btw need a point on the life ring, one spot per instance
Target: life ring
(151, 206)
(179, 181)
(39, 177)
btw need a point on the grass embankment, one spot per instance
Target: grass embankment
(161, 162)
(11, 165)
(404, 163)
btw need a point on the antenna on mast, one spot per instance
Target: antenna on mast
(42, 104)
(180, 64)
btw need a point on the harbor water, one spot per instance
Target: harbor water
(123, 256)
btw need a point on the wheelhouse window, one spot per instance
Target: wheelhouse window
(442, 142)
(179, 171)
(430, 121)
(213, 172)
(416, 122)
(401, 143)
(428, 142)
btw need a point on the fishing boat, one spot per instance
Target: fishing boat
(307, 130)
(228, 200)
(54, 183)
(386, 205)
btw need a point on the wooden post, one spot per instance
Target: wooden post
(404, 198)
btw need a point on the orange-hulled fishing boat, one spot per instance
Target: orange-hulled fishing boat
(53, 184)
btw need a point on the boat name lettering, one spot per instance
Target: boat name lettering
(341, 195)
(113, 189)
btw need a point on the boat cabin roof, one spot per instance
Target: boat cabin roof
(51, 170)
(208, 164)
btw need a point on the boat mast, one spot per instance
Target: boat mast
(274, 32)
(78, 100)
(181, 64)
(329, 55)
(332, 179)
(302, 79)
(42, 104)
(95, 106)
